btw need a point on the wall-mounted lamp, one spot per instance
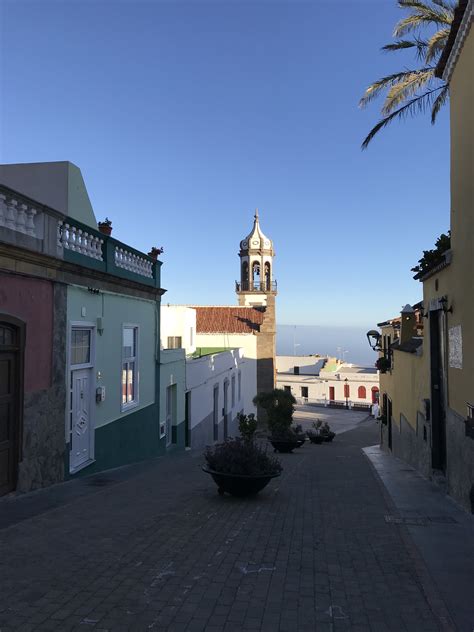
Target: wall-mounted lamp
(374, 337)
(444, 305)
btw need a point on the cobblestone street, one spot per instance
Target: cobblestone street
(158, 549)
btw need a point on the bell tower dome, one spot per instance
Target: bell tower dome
(256, 267)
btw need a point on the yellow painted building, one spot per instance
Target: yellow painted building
(427, 391)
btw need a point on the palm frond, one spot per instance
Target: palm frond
(438, 103)
(445, 4)
(381, 84)
(403, 44)
(405, 89)
(421, 6)
(422, 15)
(436, 44)
(414, 106)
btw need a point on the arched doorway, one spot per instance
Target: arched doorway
(375, 395)
(11, 389)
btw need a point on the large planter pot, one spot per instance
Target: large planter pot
(284, 447)
(239, 484)
(329, 437)
(316, 439)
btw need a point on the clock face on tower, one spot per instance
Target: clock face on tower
(267, 244)
(244, 244)
(255, 242)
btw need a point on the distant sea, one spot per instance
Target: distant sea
(332, 341)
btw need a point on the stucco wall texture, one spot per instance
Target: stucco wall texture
(31, 300)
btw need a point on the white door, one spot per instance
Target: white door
(80, 418)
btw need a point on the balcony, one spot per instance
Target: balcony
(256, 286)
(27, 224)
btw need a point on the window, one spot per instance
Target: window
(233, 391)
(129, 366)
(361, 392)
(174, 342)
(239, 385)
(287, 389)
(80, 346)
(304, 391)
(191, 336)
(296, 370)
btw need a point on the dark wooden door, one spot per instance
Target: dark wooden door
(9, 406)
(438, 412)
(331, 393)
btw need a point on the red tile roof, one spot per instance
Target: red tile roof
(231, 320)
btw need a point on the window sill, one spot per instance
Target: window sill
(125, 408)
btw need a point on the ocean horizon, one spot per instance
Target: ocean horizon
(349, 343)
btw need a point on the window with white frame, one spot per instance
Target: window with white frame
(239, 385)
(233, 391)
(129, 366)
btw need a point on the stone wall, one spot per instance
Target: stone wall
(460, 461)
(43, 447)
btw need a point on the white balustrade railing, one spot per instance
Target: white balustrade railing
(17, 216)
(133, 263)
(80, 241)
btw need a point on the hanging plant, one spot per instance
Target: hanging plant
(383, 364)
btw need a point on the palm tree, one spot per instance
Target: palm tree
(413, 91)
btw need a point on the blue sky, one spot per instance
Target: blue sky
(185, 116)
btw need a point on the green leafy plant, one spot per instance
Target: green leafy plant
(279, 406)
(383, 364)
(247, 425)
(417, 89)
(435, 256)
(239, 456)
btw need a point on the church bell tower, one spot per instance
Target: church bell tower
(256, 268)
(257, 289)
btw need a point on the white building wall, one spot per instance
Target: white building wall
(202, 376)
(318, 387)
(177, 320)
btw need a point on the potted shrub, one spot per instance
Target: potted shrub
(326, 432)
(154, 252)
(105, 227)
(279, 406)
(383, 364)
(314, 434)
(240, 467)
(300, 435)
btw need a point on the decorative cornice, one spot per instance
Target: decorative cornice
(459, 31)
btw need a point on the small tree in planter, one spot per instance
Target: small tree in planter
(279, 406)
(247, 426)
(240, 466)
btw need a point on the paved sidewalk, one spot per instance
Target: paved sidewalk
(442, 533)
(161, 550)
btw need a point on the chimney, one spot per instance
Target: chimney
(407, 324)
